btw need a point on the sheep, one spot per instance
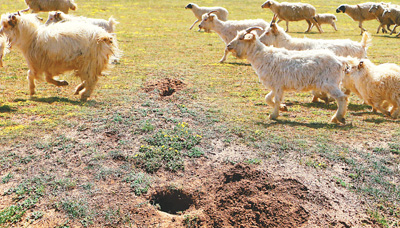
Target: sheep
(57, 16)
(50, 5)
(60, 47)
(394, 15)
(283, 70)
(325, 18)
(293, 12)
(378, 85)
(227, 29)
(4, 48)
(276, 36)
(198, 12)
(358, 13)
(377, 10)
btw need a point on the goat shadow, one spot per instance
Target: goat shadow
(51, 100)
(7, 108)
(238, 64)
(314, 125)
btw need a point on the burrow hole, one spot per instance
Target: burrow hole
(172, 200)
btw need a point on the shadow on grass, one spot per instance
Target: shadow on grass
(51, 100)
(321, 105)
(313, 125)
(381, 120)
(238, 64)
(6, 108)
(358, 107)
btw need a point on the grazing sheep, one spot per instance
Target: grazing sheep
(198, 12)
(378, 85)
(359, 12)
(394, 15)
(227, 30)
(50, 5)
(293, 12)
(325, 18)
(60, 47)
(377, 10)
(57, 16)
(282, 70)
(3, 48)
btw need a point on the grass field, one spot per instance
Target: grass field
(66, 163)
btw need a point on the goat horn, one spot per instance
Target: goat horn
(253, 28)
(212, 12)
(274, 18)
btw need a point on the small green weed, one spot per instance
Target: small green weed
(140, 182)
(11, 214)
(191, 221)
(165, 146)
(77, 209)
(255, 161)
(195, 152)
(7, 178)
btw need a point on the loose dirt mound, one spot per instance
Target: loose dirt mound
(249, 198)
(165, 86)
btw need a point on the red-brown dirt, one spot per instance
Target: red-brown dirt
(165, 86)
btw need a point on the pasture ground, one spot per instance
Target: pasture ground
(169, 125)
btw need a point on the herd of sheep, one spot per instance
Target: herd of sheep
(331, 69)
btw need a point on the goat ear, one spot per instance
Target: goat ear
(361, 65)
(249, 37)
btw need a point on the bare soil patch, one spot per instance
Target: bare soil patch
(165, 86)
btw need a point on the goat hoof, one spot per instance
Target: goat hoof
(283, 108)
(63, 83)
(338, 120)
(273, 117)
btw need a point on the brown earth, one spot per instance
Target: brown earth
(165, 86)
(216, 190)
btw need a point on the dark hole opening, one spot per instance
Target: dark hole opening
(172, 200)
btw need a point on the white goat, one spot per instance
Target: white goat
(198, 12)
(325, 18)
(60, 47)
(276, 36)
(293, 12)
(57, 16)
(394, 15)
(282, 70)
(49, 5)
(4, 48)
(378, 85)
(227, 29)
(358, 13)
(378, 9)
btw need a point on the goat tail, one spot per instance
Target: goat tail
(112, 23)
(366, 40)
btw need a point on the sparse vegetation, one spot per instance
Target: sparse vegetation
(70, 164)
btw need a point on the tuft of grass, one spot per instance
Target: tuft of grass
(140, 182)
(7, 178)
(165, 147)
(77, 209)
